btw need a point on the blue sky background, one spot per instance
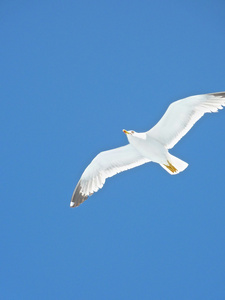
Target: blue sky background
(73, 75)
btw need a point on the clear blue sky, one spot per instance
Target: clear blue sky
(73, 75)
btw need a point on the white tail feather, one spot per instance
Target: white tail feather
(177, 163)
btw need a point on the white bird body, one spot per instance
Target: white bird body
(148, 146)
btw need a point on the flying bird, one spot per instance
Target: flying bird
(152, 145)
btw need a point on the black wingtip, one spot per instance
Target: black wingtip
(77, 197)
(220, 94)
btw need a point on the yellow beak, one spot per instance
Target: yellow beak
(125, 131)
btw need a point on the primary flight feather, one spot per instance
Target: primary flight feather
(148, 146)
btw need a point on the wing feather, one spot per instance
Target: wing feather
(105, 164)
(181, 115)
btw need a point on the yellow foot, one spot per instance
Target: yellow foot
(171, 167)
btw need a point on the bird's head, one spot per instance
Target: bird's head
(129, 133)
(133, 134)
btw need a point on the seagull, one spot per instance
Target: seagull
(149, 146)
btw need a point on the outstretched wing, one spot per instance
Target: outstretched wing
(105, 164)
(181, 115)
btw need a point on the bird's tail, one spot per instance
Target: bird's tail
(174, 165)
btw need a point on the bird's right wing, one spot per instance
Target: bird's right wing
(105, 164)
(181, 115)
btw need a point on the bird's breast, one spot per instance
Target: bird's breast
(151, 149)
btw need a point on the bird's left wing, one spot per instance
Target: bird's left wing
(105, 164)
(181, 115)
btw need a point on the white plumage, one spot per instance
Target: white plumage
(148, 146)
